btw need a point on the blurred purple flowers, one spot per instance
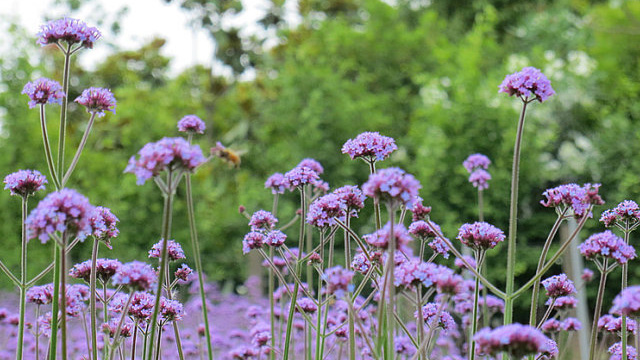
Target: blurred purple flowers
(393, 185)
(191, 124)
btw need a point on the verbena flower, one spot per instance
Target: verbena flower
(515, 339)
(439, 247)
(104, 225)
(183, 272)
(419, 211)
(470, 259)
(72, 31)
(65, 210)
(423, 231)
(446, 281)
(307, 305)
(558, 285)
(627, 210)
(571, 324)
(528, 84)
(480, 235)
(159, 156)
(191, 124)
(476, 161)
(110, 328)
(105, 269)
(480, 179)
(353, 198)
(262, 220)
(275, 238)
(627, 302)
(616, 352)
(430, 316)
(493, 303)
(577, 198)
(587, 275)
(613, 324)
(563, 302)
(326, 211)
(338, 280)
(300, 176)
(370, 146)
(142, 304)
(24, 182)
(136, 275)
(607, 245)
(40, 295)
(252, 240)
(174, 250)
(381, 238)
(43, 91)
(413, 273)
(97, 101)
(551, 326)
(360, 263)
(404, 346)
(170, 310)
(393, 185)
(276, 183)
(312, 164)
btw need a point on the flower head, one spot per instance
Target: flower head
(353, 198)
(312, 164)
(105, 269)
(430, 315)
(141, 307)
(191, 124)
(558, 285)
(170, 310)
(183, 272)
(627, 210)
(72, 31)
(135, 275)
(307, 305)
(43, 91)
(394, 185)
(627, 302)
(616, 352)
(277, 183)
(104, 225)
(370, 146)
(40, 295)
(577, 198)
(97, 101)
(24, 182)
(338, 280)
(64, 211)
(606, 244)
(174, 250)
(516, 339)
(262, 220)
(476, 161)
(528, 84)
(111, 327)
(480, 179)
(326, 210)
(414, 273)
(275, 238)
(300, 176)
(419, 211)
(480, 235)
(381, 238)
(252, 240)
(562, 302)
(159, 156)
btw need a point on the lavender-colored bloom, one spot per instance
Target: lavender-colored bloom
(97, 101)
(338, 280)
(515, 339)
(627, 210)
(191, 124)
(142, 304)
(277, 183)
(404, 346)
(627, 302)
(174, 250)
(419, 211)
(422, 230)
(551, 326)
(446, 281)
(352, 196)
(252, 240)
(183, 272)
(360, 263)
(40, 295)
(370, 146)
(480, 179)
(614, 324)
(275, 238)
(71, 31)
(476, 161)
(381, 238)
(135, 275)
(493, 303)
(307, 305)
(43, 91)
(558, 285)
(243, 352)
(470, 259)
(326, 211)
(105, 269)
(563, 302)
(606, 244)
(104, 225)
(260, 335)
(571, 324)
(262, 220)
(64, 211)
(444, 320)
(587, 275)
(528, 84)
(394, 185)
(439, 247)
(170, 310)
(110, 328)
(480, 235)
(24, 182)
(300, 176)
(616, 352)
(312, 164)
(166, 153)
(578, 198)
(413, 273)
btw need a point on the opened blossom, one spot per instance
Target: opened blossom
(43, 91)
(71, 31)
(558, 285)
(105, 269)
(191, 124)
(326, 211)
(24, 182)
(480, 235)
(382, 237)
(528, 84)
(135, 275)
(97, 101)
(393, 185)
(572, 196)
(476, 161)
(627, 302)
(607, 245)
(515, 339)
(369, 146)
(627, 211)
(262, 220)
(174, 250)
(277, 183)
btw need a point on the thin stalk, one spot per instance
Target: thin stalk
(376, 201)
(37, 334)
(76, 157)
(47, 148)
(105, 314)
(390, 284)
(159, 341)
(352, 330)
(63, 109)
(116, 335)
(480, 205)
(547, 313)
(92, 300)
(625, 272)
(347, 244)
(513, 219)
(53, 340)
(272, 317)
(596, 313)
(419, 320)
(63, 297)
(135, 338)
(476, 294)
(23, 280)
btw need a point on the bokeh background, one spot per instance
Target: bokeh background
(280, 81)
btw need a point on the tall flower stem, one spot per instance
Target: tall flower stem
(116, 335)
(53, 340)
(376, 201)
(164, 259)
(135, 339)
(76, 157)
(23, 280)
(596, 313)
(63, 296)
(419, 320)
(47, 148)
(625, 272)
(513, 219)
(92, 300)
(476, 294)
(389, 284)
(63, 109)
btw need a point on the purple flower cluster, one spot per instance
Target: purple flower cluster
(157, 157)
(393, 185)
(141, 307)
(262, 220)
(578, 198)
(64, 211)
(477, 165)
(191, 124)
(419, 211)
(480, 235)
(431, 318)
(608, 245)
(170, 310)
(627, 302)
(627, 210)
(300, 176)
(413, 273)
(558, 285)
(174, 250)
(616, 352)
(105, 269)
(352, 197)
(370, 146)
(480, 179)
(515, 339)
(613, 324)
(40, 295)
(528, 84)
(72, 31)
(382, 237)
(338, 280)
(311, 164)
(104, 225)
(136, 275)
(563, 302)
(97, 100)
(277, 183)
(326, 210)
(307, 305)
(24, 182)
(252, 240)
(43, 91)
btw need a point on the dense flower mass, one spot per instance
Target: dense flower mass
(312, 164)
(72, 31)
(40, 295)
(627, 210)
(352, 196)
(64, 211)
(616, 352)
(276, 183)
(394, 185)
(170, 310)
(97, 100)
(299, 176)
(613, 324)
(476, 161)
(370, 146)
(252, 240)
(515, 339)
(480, 179)
(174, 250)
(577, 198)
(262, 220)
(528, 84)
(480, 235)
(135, 275)
(338, 280)
(558, 285)
(159, 156)
(627, 302)
(24, 182)
(43, 91)
(326, 210)
(104, 225)
(382, 237)
(191, 124)
(275, 238)
(608, 245)
(105, 269)
(430, 316)
(414, 273)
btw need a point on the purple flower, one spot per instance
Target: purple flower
(419, 211)
(252, 240)
(587, 275)
(446, 281)
(170, 310)
(551, 326)
(159, 156)
(352, 196)
(105, 269)
(126, 329)
(515, 339)
(494, 304)
(558, 285)
(104, 225)
(311, 164)
(97, 101)
(480, 179)
(380, 238)
(40, 295)
(338, 280)
(277, 183)
(300, 176)
(578, 198)
(608, 245)
(370, 146)
(563, 302)
(307, 305)
(191, 124)
(24, 182)
(183, 272)
(262, 220)
(326, 211)
(528, 84)
(627, 210)
(476, 161)
(470, 259)
(439, 247)
(142, 304)
(71, 31)
(423, 231)
(135, 275)
(480, 235)
(394, 185)
(275, 238)
(616, 352)
(174, 250)
(414, 273)
(614, 324)
(430, 313)
(360, 263)
(627, 302)
(43, 91)
(571, 324)
(64, 211)
(404, 346)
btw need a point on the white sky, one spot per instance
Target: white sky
(144, 20)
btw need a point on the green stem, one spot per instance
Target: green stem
(105, 315)
(135, 338)
(63, 297)
(76, 157)
(376, 201)
(47, 148)
(391, 251)
(596, 313)
(55, 304)
(116, 335)
(476, 294)
(480, 205)
(513, 219)
(92, 300)
(63, 109)
(625, 272)
(419, 319)
(23, 280)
